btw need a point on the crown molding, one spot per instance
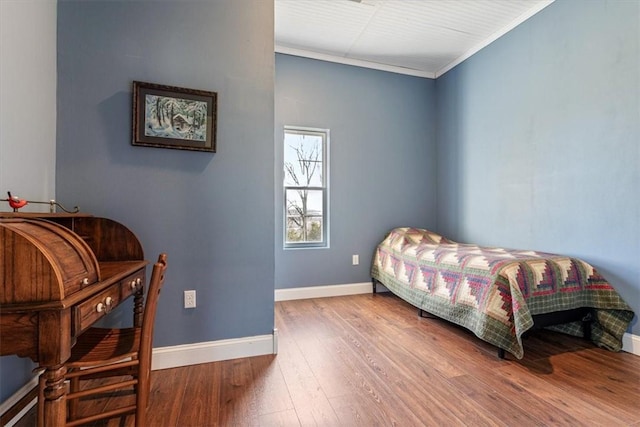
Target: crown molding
(354, 62)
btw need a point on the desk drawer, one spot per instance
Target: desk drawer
(93, 309)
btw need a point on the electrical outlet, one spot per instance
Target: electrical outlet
(355, 259)
(189, 299)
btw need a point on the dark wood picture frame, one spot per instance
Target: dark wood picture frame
(174, 117)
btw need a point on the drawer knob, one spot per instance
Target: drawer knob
(135, 283)
(100, 307)
(108, 301)
(85, 281)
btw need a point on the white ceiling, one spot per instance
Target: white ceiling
(423, 38)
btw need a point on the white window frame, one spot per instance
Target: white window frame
(324, 188)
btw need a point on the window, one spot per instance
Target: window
(306, 187)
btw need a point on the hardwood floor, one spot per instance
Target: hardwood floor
(370, 360)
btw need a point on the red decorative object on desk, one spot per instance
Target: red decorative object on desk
(16, 203)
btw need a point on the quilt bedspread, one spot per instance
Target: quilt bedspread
(494, 292)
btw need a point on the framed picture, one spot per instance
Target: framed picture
(174, 117)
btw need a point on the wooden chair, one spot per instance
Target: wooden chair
(102, 353)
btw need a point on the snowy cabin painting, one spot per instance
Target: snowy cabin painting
(168, 117)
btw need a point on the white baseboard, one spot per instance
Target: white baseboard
(214, 351)
(631, 343)
(288, 294)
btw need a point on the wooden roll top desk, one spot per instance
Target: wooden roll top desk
(60, 273)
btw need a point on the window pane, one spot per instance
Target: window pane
(295, 230)
(314, 229)
(303, 158)
(304, 202)
(304, 215)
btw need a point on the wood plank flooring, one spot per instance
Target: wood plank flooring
(370, 360)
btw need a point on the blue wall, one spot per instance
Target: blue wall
(382, 161)
(213, 214)
(538, 140)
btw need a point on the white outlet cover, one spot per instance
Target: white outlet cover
(190, 299)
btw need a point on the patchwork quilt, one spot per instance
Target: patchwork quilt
(494, 292)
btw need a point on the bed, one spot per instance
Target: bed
(499, 294)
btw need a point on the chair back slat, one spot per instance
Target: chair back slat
(146, 337)
(151, 305)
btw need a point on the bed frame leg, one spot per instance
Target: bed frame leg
(374, 282)
(500, 353)
(425, 314)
